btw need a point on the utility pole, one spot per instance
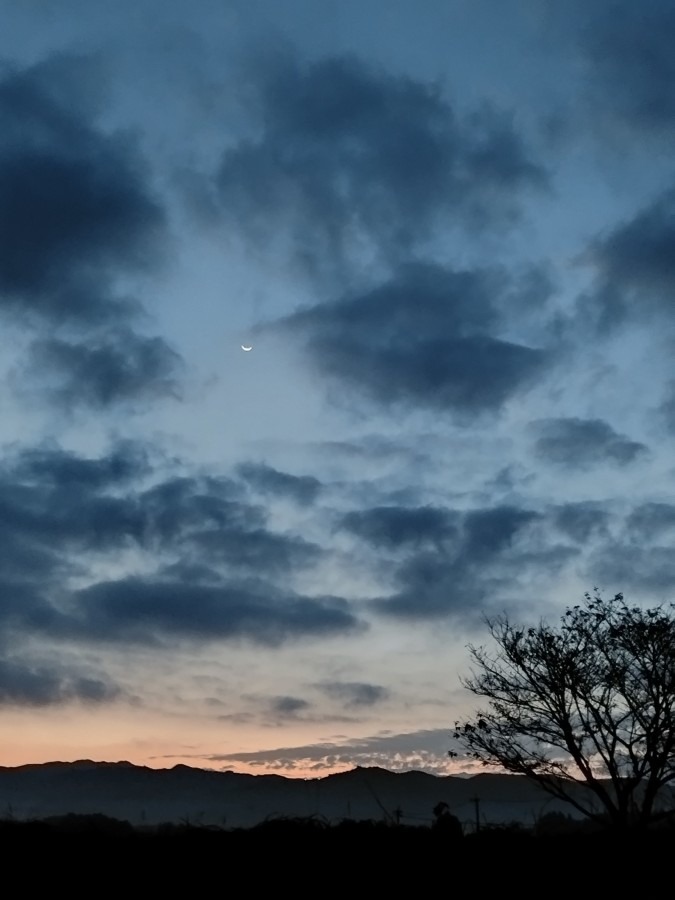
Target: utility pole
(476, 803)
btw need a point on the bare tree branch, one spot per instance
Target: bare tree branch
(588, 703)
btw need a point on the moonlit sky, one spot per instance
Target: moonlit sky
(447, 228)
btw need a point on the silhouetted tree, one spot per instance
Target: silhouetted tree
(444, 821)
(589, 702)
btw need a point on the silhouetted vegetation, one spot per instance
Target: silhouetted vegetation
(589, 703)
(304, 856)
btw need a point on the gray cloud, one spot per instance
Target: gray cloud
(395, 526)
(354, 694)
(256, 550)
(23, 609)
(181, 505)
(349, 152)
(464, 577)
(636, 266)
(581, 521)
(629, 49)
(637, 554)
(580, 443)
(54, 504)
(154, 610)
(303, 489)
(288, 707)
(22, 684)
(651, 520)
(56, 507)
(53, 501)
(73, 205)
(666, 410)
(628, 565)
(424, 750)
(127, 461)
(117, 367)
(426, 338)
(76, 214)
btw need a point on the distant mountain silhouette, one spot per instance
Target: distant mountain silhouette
(142, 795)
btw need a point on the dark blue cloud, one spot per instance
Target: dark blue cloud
(651, 520)
(22, 684)
(74, 205)
(255, 550)
(127, 461)
(284, 708)
(582, 520)
(429, 338)
(348, 151)
(355, 694)
(77, 214)
(396, 526)
(636, 265)
(218, 559)
(580, 443)
(425, 749)
(303, 489)
(155, 610)
(466, 576)
(628, 565)
(632, 71)
(54, 503)
(116, 367)
(637, 554)
(666, 409)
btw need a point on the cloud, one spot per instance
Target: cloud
(651, 520)
(466, 576)
(396, 526)
(214, 560)
(190, 504)
(425, 750)
(23, 684)
(55, 502)
(629, 51)
(258, 550)
(666, 410)
(303, 489)
(488, 532)
(349, 156)
(127, 461)
(74, 205)
(24, 610)
(286, 707)
(637, 554)
(581, 521)
(582, 443)
(426, 338)
(647, 570)
(77, 217)
(354, 694)
(207, 520)
(635, 264)
(155, 609)
(117, 367)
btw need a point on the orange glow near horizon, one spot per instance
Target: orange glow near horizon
(13, 755)
(111, 735)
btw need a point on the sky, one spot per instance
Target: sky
(447, 230)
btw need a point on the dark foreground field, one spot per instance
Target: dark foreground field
(90, 853)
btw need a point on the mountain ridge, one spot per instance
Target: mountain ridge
(147, 796)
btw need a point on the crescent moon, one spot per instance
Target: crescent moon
(246, 348)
